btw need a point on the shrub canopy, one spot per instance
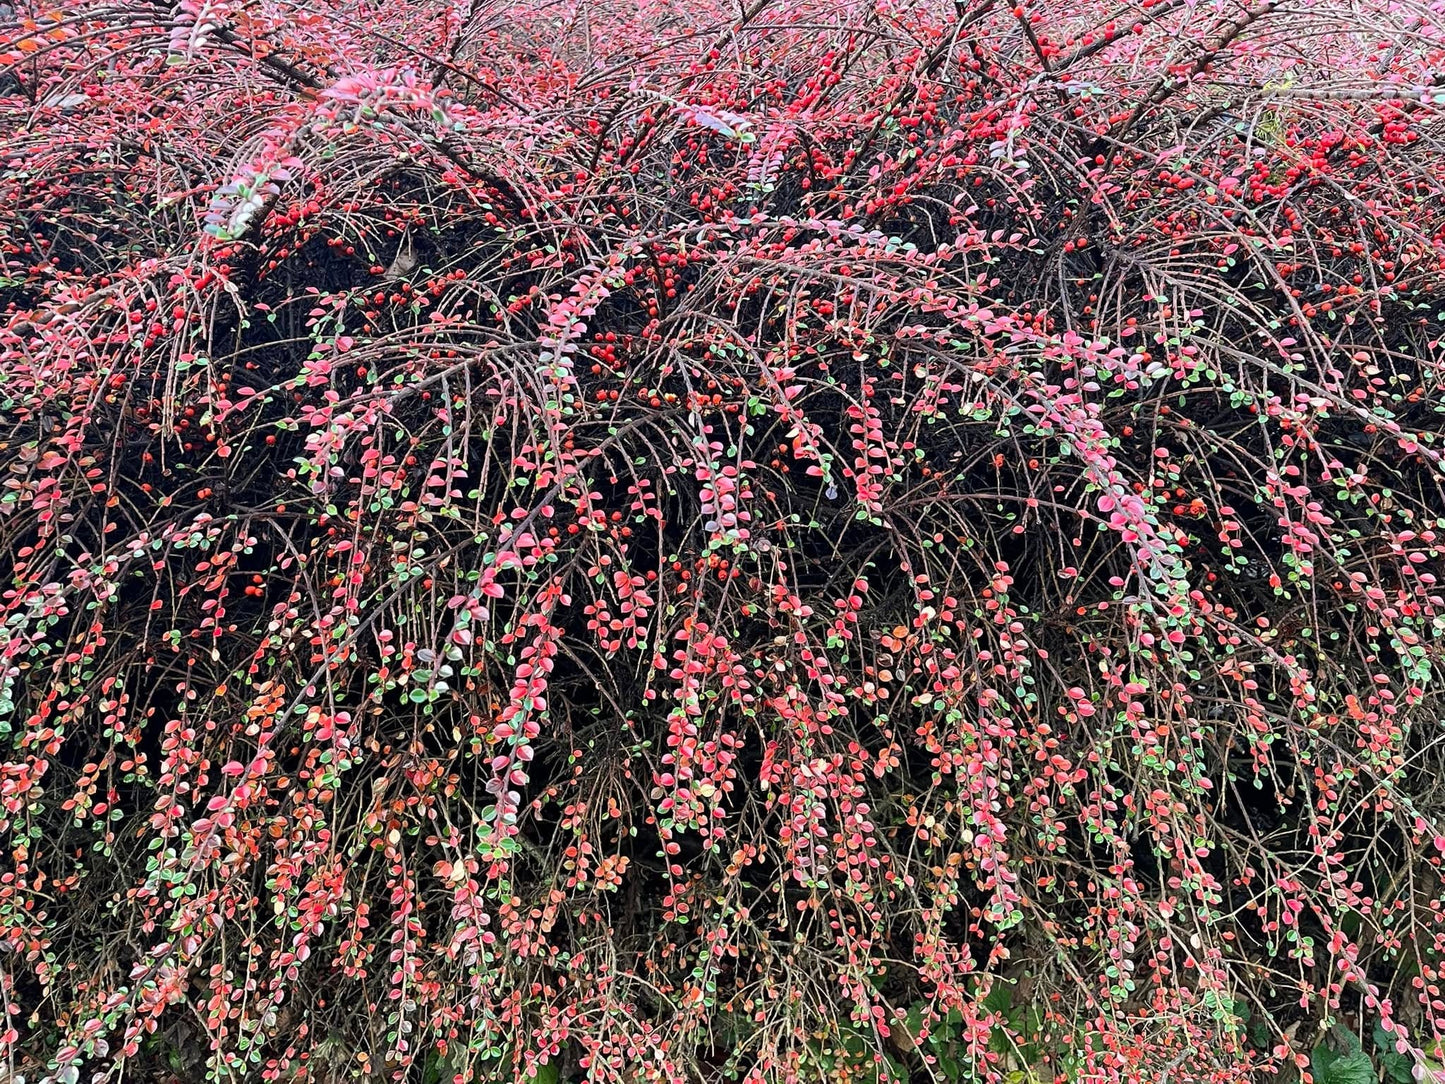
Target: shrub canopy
(679, 542)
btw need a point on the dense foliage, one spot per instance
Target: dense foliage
(670, 542)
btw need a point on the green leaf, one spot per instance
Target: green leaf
(914, 1020)
(1000, 997)
(1354, 1067)
(1398, 1067)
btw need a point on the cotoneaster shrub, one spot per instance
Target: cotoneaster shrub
(667, 542)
